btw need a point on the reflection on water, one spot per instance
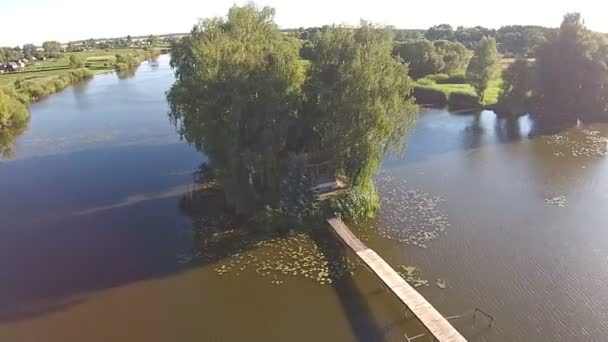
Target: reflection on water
(7, 138)
(105, 235)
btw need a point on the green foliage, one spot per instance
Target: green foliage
(152, 40)
(52, 49)
(430, 96)
(128, 61)
(356, 204)
(482, 66)
(122, 67)
(514, 98)
(13, 122)
(471, 36)
(440, 32)
(426, 58)
(76, 61)
(12, 112)
(243, 96)
(29, 91)
(238, 84)
(358, 99)
(421, 57)
(458, 78)
(463, 101)
(572, 72)
(521, 41)
(455, 56)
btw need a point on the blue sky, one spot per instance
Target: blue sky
(34, 21)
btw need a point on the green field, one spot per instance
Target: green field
(97, 60)
(492, 93)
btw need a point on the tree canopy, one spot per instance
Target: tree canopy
(245, 97)
(426, 58)
(482, 65)
(572, 72)
(51, 48)
(76, 61)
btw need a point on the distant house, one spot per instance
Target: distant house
(13, 66)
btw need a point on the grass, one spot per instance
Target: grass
(491, 96)
(97, 60)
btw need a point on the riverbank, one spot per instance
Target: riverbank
(453, 91)
(38, 80)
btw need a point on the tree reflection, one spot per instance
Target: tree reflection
(507, 129)
(7, 138)
(126, 74)
(549, 125)
(473, 133)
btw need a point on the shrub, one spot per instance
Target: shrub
(438, 78)
(356, 204)
(453, 79)
(122, 66)
(430, 96)
(460, 100)
(12, 111)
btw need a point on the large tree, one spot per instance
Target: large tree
(572, 75)
(242, 96)
(237, 89)
(455, 56)
(359, 98)
(51, 48)
(440, 32)
(514, 97)
(482, 66)
(421, 56)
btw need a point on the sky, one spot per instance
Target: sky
(35, 21)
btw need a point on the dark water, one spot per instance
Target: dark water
(105, 235)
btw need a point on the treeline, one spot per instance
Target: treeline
(54, 49)
(512, 40)
(426, 58)
(129, 61)
(567, 81)
(15, 98)
(49, 49)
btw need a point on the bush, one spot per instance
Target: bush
(356, 204)
(430, 96)
(453, 79)
(122, 66)
(460, 100)
(437, 78)
(12, 111)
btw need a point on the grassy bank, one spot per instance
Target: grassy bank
(431, 88)
(97, 60)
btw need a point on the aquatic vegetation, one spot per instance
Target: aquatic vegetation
(277, 257)
(583, 143)
(411, 275)
(407, 215)
(559, 201)
(441, 284)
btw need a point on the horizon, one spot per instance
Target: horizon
(119, 19)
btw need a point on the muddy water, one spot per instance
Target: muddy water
(105, 234)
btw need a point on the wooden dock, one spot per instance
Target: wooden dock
(437, 326)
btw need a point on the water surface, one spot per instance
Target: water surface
(105, 234)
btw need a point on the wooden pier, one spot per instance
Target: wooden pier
(437, 325)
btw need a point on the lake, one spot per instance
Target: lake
(106, 235)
